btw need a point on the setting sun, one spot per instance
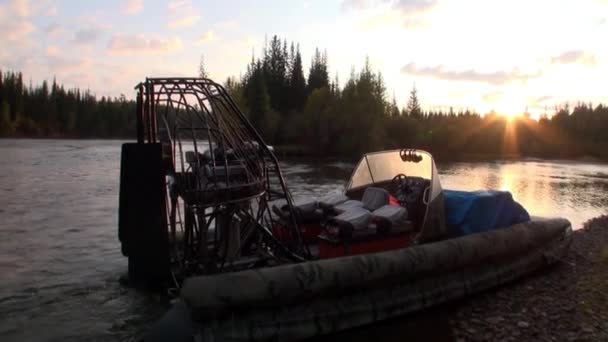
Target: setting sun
(511, 116)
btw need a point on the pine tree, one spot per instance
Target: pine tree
(393, 108)
(318, 76)
(275, 66)
(234, 87)
(2, 88)
(258, 102)
(413, 105)
(202, 70)
(6, 125)
(335, 86)
(297, 83)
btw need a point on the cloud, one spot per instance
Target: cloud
(393, 17)
(439, 72)
(52, 51)
(21, 8)
(493, 96)
(51, 11)
(133, 7)
(53, 30)
(15, 30)
(574, 57)
(542, 100)
(14, 22)
(186, 21)
(347, 5)
(63, 65)
(206, 38)
(412, 14)
(415, 6)
(140, 45)
(182, 14)
(86, 36)
(400, 5)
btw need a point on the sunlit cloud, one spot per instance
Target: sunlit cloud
(52, 11)
(541, 105)
(347, 5)
(15, 24)
(140, 45)
(415, 6)
(407, 6)
(386, 18)
(575, 57)
(207, 37)
(412, 14)
(52, 51)
(493, 96)
(21, 8)
(182, 14)
(17, 29)
(440, 72)
(133, 7)
(64, 65)
(186, 21)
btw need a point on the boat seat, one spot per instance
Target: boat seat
(373, 198)
(355, 219)
(331, 200)
(347, 206)
(390, 217)
(306, 209)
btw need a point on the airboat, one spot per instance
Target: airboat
(205, 214)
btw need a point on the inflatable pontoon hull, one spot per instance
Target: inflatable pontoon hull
(309, 299)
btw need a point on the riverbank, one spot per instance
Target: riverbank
(304, 152)
(567, 302)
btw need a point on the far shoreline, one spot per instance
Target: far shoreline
(303, 153)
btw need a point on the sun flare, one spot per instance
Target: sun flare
(511, 116)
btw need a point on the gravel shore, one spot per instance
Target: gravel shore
(567, 302)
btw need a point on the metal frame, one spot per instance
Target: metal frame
(207, 204)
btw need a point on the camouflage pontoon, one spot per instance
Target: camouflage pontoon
(393, 199)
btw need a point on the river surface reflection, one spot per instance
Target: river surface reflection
(60, 258)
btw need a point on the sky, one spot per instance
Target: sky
(505, 56)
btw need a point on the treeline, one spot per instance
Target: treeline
(53, 111)
(314, 114)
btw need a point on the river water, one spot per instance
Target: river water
(60, 258)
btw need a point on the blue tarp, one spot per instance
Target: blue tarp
(480, 211)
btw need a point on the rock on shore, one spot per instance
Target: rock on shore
(567, 302)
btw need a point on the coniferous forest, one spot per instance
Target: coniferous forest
(314, 114)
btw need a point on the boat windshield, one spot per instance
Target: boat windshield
(384, 166)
